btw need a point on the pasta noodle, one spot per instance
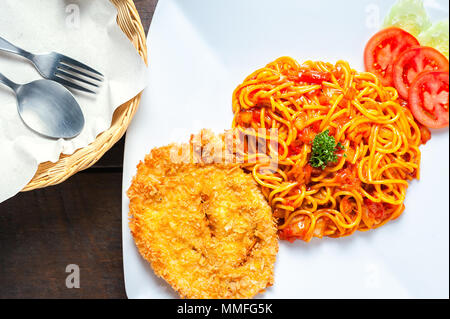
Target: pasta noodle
(366, 186)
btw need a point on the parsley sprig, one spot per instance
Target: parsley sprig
(324, 150)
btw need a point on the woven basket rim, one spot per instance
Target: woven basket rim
(48, 173)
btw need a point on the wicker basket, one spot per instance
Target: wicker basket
(54, 173)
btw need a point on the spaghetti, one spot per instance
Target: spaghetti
(366, 186)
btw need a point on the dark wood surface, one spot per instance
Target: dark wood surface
(77, 222)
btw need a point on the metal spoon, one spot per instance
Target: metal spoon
(48, 108)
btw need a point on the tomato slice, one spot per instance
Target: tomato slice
(382, 50)
(428, 99)
(414, 61)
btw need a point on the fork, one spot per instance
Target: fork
(59, 68)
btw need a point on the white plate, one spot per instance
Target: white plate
(200, 50)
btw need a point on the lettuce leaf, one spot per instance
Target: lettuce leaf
(409, 15)
(437, 36)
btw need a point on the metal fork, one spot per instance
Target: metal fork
(59, 68)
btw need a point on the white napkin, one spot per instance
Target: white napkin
(85, 30)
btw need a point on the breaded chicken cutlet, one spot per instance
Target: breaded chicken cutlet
(205, 228)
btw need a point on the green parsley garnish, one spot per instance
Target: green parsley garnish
(324, 150)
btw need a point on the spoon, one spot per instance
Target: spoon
(47, 108)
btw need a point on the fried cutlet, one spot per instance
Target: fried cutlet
(205, 228)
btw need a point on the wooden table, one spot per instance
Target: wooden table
(77, 222)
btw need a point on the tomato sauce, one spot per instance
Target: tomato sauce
(348, 178)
